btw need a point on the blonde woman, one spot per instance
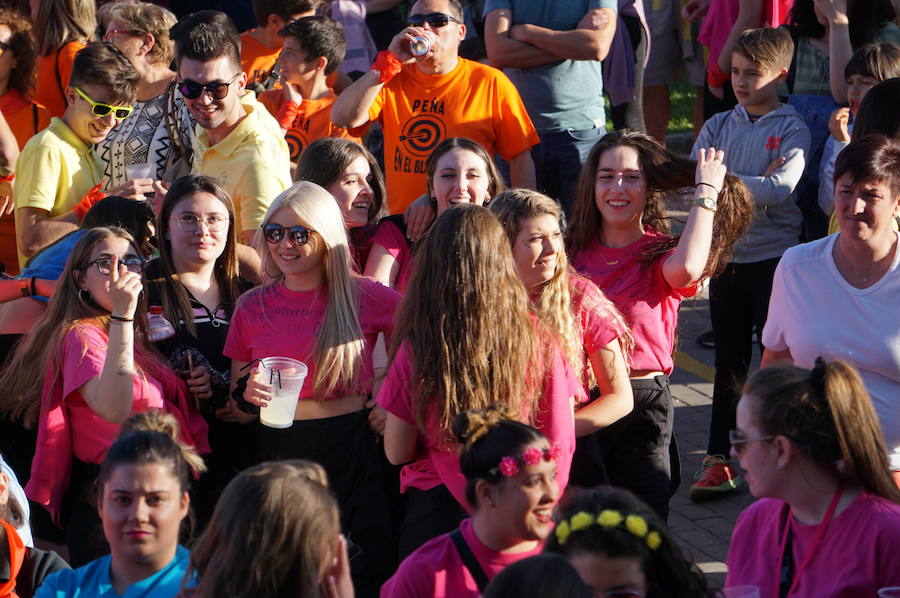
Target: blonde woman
(61, 28)
(313, 308)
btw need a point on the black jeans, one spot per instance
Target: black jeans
(638, 452)
(738, 301)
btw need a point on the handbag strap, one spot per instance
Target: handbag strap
(468, 559)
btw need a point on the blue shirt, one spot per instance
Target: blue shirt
(92, 581)
(563, 95)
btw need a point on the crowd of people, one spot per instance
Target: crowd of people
(287, 315)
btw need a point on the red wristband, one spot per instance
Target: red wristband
(8, 178)
(386, 66)
(714, 75)
(87, 202)
(287, 113)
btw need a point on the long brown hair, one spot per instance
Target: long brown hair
(285, 518)
(555, 301)
(22, 77)
(23, 377)
(467, 321)
(495, 181)
(828, 414)
(665, 173)
(175, 301)
(59, 22)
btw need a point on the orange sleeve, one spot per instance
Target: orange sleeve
(515, 131)
(50, 90)
(27, 121)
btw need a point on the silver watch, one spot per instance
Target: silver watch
(707, 203)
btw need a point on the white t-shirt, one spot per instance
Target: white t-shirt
(814, 311)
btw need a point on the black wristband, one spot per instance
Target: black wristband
(120, 318)
(710, 186)
(33, 286)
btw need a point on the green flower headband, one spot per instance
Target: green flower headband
(608, 519)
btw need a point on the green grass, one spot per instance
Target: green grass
(682, 96)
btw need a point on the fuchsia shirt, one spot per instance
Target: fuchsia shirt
(68, 427)
(273, 321)
(437, 463)
(598, 329)
(640, 291)
(437, 570)
(858, 555)
(389, 236)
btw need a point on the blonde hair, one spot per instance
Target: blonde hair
(59, 22)
(558, 295)
(339, 344)
(143, 18)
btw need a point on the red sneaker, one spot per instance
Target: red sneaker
(716, 476)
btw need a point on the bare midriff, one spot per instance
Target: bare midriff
(312, 409)
(644, 374)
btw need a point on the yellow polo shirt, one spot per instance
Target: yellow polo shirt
(252, 163)
(55, 170)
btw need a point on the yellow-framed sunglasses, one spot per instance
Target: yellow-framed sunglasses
(101, 109)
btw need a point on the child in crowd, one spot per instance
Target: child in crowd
(765, 145)
(261, 45)
(871, 64)
(312, 49)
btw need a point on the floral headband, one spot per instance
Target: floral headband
(608, 519)
(510, 466)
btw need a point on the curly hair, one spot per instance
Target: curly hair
(22, 77)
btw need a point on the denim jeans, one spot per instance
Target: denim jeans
(558, 160)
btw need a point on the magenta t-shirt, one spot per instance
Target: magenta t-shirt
(640, 292)
(859, 554)
(389, 236)
(598, 328)
(273, 321)
(437, 570)
(438, 463)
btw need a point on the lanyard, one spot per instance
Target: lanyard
(787, 539)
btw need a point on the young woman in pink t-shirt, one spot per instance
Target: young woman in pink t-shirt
(828, 522)
(466, 338)
(313, 308)
(619, 238)
(510, 472)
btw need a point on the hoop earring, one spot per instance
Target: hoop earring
(81, 296)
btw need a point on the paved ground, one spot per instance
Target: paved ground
(704, 529)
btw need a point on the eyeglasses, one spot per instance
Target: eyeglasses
(190, 223)
(274, 233)
(133, 264)
(216, 89)
(111, 34)
(101, 109)
(739, 442)
(435, 20)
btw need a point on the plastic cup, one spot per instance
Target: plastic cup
(287, 376)
(147, 170)
(740, 592)
(892, 592)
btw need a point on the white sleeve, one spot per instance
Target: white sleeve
(773, 336)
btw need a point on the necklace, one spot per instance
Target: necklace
(863, 277)
(612, 263)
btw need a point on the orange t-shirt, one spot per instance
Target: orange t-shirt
(50, 89)
(256, 59)
(25, 118)
(418, 111)
(313, 122)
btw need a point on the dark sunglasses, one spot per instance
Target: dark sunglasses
(435, 20)
(274, 233)
(216, 89)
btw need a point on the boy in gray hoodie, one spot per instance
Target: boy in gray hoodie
(765, 144)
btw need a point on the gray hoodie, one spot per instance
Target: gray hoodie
(749, 149)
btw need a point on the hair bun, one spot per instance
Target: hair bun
(160, 422)
(470, 426)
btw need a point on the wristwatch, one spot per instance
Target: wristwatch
(707, 203)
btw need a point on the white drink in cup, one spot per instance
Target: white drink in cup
(892, 592)
(287, 376)
(147, 170)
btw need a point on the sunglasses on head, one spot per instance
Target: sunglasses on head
(274, 233)
(435, 20)
(101, 109)
(216, 89)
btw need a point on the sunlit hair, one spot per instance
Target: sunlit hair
(770, 48)
(23, 377)
(21, 44)
(143, 18)
(666, 174)
(325, 160)
(872, 158)
(59, 22)
(878, 111)
(668, 573)
(282, 516)
(467, 322)
(557, 296)
(104, 65)
(486, 436)
(828, 414)
(339, 343)
(495, 181)
(175, 301)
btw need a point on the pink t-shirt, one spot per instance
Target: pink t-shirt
(640, 291)
(68, 427)
(389, 236)
(859, 553)
(272, 321)
(437, 463)
(437, 570)
(598, 329)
